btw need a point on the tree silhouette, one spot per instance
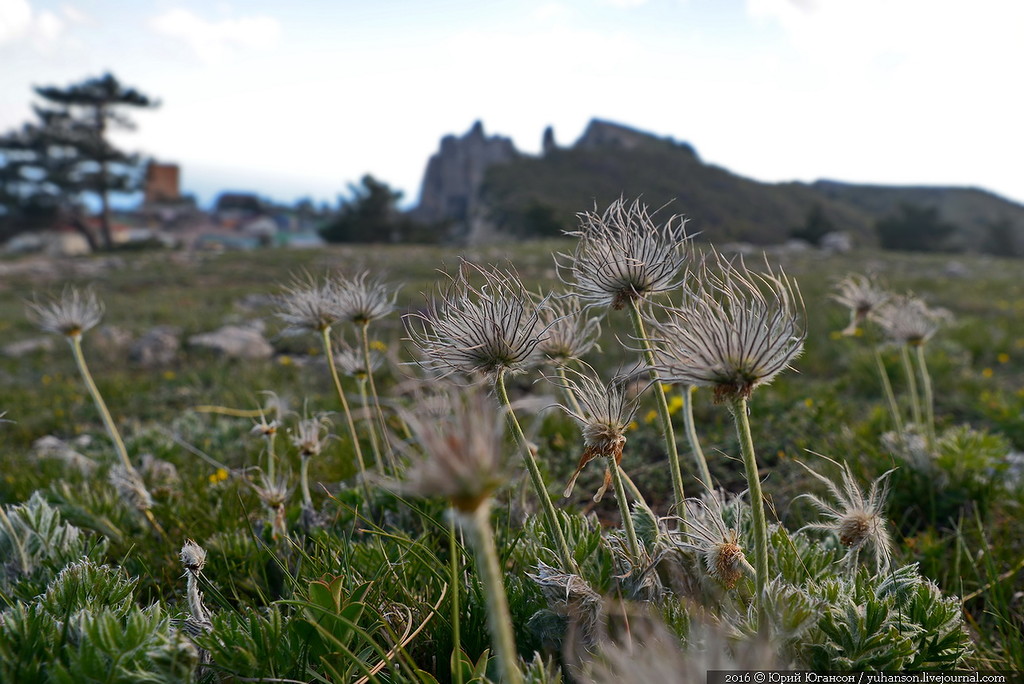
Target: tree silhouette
(370, 214)
(914, 228)
(51, 163)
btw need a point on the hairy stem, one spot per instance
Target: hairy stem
(691, 436)
(499, 621)
(307, 500)
(456, 583)
(550, 515)
(739, 412)
(325, 335)
(364, 331)
(620, 498)
(915, 400)
(890, 397)
(567, 388)
(929, 398)
(108, 423)
(663, 413)
(374, 446)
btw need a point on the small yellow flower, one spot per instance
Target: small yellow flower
(808, 402)
(651, 415)
(836, 335)
(46, 379)
(1003, 358)
(633, 425)
(219, 476)
(675, 404)
(378, 346)
(169, 375)
(284, 360)
(986, 373)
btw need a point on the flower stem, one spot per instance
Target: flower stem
(929, 398)
(894, 408)
(915, 401)
(620, 498)
(374, 446)
(364, 328)
(498, 618)
(307, 500)
(567, 388)
(691, 435)
(550, 516)
(739, 412)
(663, 413)
(326, 339)
(108, 423)
(456, 584)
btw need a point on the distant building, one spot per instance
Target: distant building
(163, 183)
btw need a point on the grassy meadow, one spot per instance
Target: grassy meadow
(373, 583)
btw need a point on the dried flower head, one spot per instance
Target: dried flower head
(193, 557)
(130, 487)
(310, 434)
(352, 362)
(855, 518)
(360, 300)
(734, 331)
(604, 416)
(274, 494)
(623, 255)
(861, 296)
(717, 543)
(74, 312)
(461, 450)
(307, 305)
(908, 320)
(489, 329)
(569, 332)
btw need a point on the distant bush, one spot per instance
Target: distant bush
(914, 228)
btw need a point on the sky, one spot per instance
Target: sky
(303, 98)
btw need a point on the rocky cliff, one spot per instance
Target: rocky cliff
(453, 178)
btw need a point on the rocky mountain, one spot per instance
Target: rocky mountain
(483, 188)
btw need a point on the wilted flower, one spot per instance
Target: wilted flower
(71, 315)
(623, 256)
(490, 329)
(193, 557)
(130, 487)
(717, 543)
(569, 596)
(353, 362)
(728, 334)
(462, 450)
(309, 435)
(361, 301)
(908, 320)
(604, 416)
(861, 296)
(274, 494)
(856, 519)
(308, 306)
(569, 332)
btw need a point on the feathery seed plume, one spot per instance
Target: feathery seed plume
(74, 312)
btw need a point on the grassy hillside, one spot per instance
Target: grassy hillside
(542, 195)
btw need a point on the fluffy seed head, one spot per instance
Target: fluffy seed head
(569, 332)
(360, 300)
(488, 329)
(623, 255)
(193, 557)
(71, 314)
(130, 487)
(861, 296)
(908, 320)
(604, 415)
(855, 518)
(735, 330)
(308, 305)
(274, 495)
(461, 450)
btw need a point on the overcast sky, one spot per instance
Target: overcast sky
(304, 97)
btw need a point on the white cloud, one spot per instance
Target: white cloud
(15, 19)
(20, 23)
(216, 41)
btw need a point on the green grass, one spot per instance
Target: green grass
(390, 557)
